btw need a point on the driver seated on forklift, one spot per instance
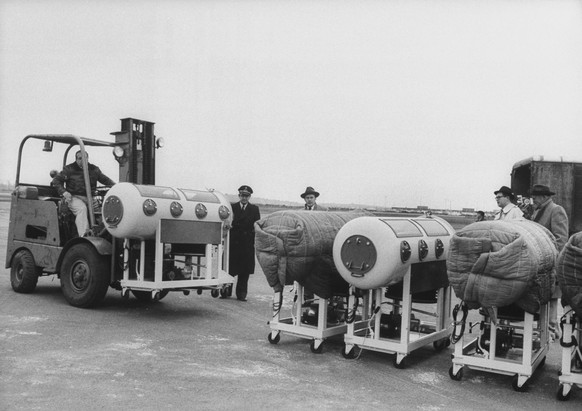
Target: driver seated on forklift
(70, 184)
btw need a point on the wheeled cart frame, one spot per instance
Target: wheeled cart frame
(517, 345)
(198, 261)
(294, 325)
(403, 333)
(571, 373)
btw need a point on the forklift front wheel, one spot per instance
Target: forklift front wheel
(84, 276)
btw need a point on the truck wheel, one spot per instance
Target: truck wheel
(23, 274)
(84, 276)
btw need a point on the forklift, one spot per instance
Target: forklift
(185, 249)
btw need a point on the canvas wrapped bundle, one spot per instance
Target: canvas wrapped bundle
(297, 246)
(499, 263)
(569, 273)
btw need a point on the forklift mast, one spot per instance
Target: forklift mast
(137, 164)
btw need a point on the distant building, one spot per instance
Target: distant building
(422, 207)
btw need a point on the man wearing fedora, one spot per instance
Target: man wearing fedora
(554, 218)
(509, 211)
(242, 241)
(549, 214)
(310, 204)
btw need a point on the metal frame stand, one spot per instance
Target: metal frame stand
(200, 271)
(571, 373)
(293, 325)
(511, 359)
(413, 333)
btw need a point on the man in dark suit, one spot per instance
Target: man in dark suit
(242, 240)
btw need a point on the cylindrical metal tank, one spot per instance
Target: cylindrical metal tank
(373, 252)
(134, 211)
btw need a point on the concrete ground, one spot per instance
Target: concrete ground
(198, 352)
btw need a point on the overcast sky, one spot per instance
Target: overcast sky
(398, 103)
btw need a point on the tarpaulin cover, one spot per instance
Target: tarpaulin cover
(498, 263)
(569, 272)
(297, 246)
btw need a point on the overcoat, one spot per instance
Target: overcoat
(242, 239)
(554, 218)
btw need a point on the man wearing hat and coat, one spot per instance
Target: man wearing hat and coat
(242, 241)
(509, 211)
(549, 214)
(554, 218)
(310, 204)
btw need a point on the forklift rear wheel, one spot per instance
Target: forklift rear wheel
(24, 273)
(147, 295)
(84, 276)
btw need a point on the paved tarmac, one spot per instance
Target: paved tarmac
(197, 352)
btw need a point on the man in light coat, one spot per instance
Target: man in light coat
(509, 211)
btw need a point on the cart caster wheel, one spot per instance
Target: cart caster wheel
(274, 340)
(349, 355)
(214, 293)
(186, 292)
(199, 291)
(317, 350)
(516, 387)
(440, 345)
(400, 365)
(560, 395)
(458, 376)
(223, 293)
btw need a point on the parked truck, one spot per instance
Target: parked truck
(144, 239)
(563, 176)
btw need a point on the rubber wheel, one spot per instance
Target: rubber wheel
(274, 340)
(517, 388)
(458, 376)
(84, 276)
(560, 394)
(400, 365)
(350, 355)
(440, 345)
(23, 273)
(147, 295)
(317, 350)
(214, 293)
